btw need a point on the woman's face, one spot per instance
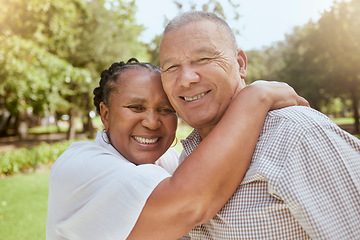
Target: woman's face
(139, 118)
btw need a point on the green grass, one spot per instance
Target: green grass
(47, 129)
(340, 121)
(23, 206)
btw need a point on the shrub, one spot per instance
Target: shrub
(30, 158)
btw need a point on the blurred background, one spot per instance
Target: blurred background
(52, 53)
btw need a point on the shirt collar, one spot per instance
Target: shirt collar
(191, 142)
(103, 140)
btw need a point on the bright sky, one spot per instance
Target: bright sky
(261, 22)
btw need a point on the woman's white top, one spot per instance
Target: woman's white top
(95, 193)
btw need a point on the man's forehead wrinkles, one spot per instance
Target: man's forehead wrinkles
(190, 55)
(175, 59)
(206, 51)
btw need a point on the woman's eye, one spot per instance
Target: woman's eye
(166, 110)
(136, 108)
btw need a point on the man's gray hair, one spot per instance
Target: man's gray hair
(193, 16)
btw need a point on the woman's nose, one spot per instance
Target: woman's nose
(151, 120)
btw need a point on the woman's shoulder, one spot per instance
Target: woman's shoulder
(86, 150)
(86, 156)
(169, 160)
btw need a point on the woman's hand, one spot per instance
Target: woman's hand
(276, 94)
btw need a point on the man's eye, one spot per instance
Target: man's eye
(200, 60)
(171, 68)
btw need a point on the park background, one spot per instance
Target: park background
(52, 52)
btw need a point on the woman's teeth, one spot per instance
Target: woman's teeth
(146, 140)
(189, 99)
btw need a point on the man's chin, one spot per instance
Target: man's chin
(203, 124)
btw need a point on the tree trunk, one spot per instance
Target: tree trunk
(21, 126)
(22, 129)
(88, 124)
(3, 131)
(72, 128)
(90, 127)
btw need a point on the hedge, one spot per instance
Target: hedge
(23, 159)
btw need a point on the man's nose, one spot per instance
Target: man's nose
(151, 120)
(188, 76)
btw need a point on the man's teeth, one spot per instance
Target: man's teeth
(146, 140)
(189, 99)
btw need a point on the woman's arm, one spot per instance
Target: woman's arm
(205, 181)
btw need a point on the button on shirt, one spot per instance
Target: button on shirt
(303, 183)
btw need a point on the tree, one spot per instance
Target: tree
(35, 35)
(321, 59)
(301, 68)
(264, 64)
(81, 34)
(33, 79)
(336, 42)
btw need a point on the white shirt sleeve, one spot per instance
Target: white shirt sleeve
(94, 194)
(169, 161)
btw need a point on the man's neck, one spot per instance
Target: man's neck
(204, 131)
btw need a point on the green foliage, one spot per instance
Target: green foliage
(321, 59)
(341, 121)
(263, 64)
(29, 158)
(33, 77)
(153, 50)
(335, 46)
(337, 107)
(109, 33)
(299, 68)
(52, 52)
(51, 24)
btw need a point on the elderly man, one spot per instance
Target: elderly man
(304, 178)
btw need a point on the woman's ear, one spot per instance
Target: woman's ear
(104, 113)
(242, 60)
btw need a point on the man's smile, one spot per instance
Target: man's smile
(196, 97)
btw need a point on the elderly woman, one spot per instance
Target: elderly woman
(127, 183)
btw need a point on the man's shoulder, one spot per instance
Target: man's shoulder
(283, 132)
(292, 124)
(297, 113)
(298, 116)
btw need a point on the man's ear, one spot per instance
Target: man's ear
(104, 113)
(242, 60)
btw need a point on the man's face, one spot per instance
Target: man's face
(200, 73)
